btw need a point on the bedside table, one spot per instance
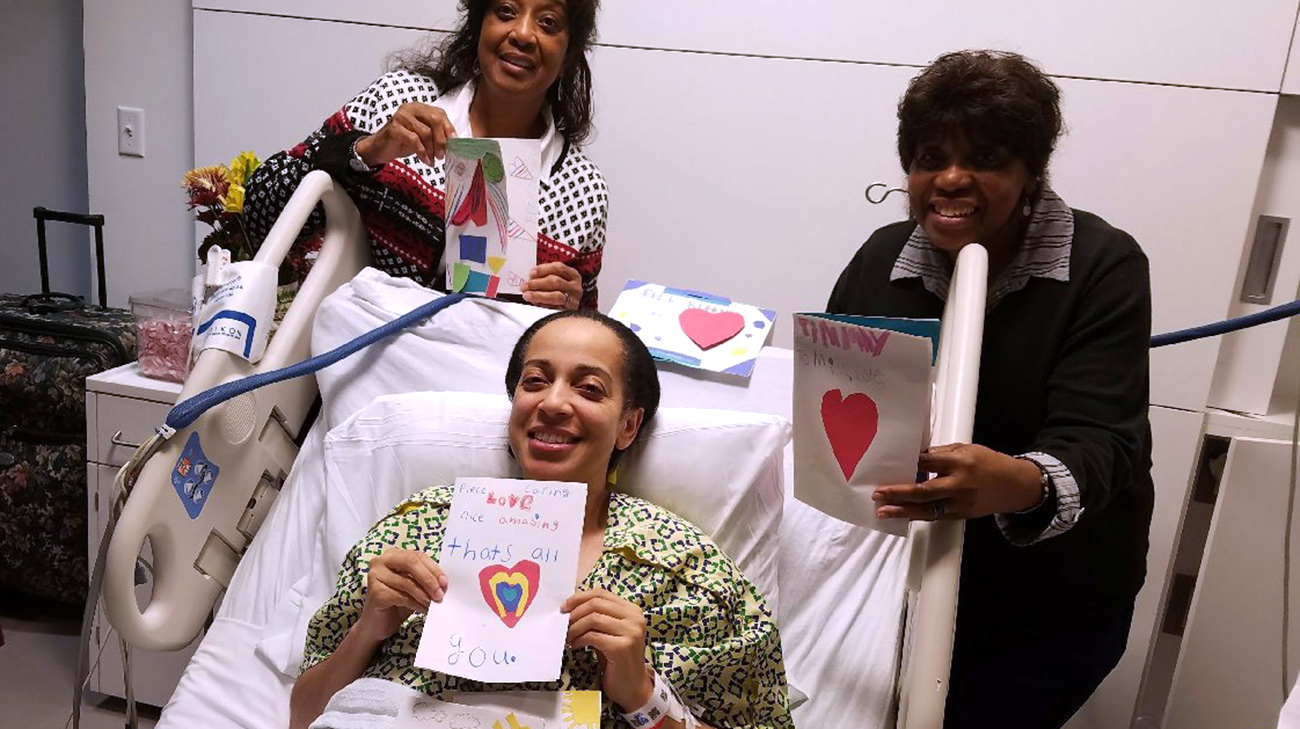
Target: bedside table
(122, 409)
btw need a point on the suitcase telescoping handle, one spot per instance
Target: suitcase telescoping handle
(95, 221)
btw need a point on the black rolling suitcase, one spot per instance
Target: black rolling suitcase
(49, 344)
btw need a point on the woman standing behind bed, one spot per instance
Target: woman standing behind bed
(658, 604)
(514, 68)
(1057, 491)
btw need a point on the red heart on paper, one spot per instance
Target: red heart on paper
(509, 591)
(851, 423)
(708, 329)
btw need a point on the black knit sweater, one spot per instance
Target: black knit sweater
(1063, 371)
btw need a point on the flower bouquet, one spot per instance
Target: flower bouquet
(217, 193)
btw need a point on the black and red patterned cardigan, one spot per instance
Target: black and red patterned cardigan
(403, 203)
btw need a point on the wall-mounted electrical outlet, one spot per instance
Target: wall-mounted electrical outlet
(130, 132)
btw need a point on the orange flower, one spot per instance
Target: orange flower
(206, 185)
(13, 371)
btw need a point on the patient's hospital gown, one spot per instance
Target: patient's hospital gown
(709, 631)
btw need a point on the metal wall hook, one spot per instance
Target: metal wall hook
(888, 192)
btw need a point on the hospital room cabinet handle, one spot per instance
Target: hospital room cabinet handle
(117, 441)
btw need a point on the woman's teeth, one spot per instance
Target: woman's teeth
(953, 211)
(555, 438)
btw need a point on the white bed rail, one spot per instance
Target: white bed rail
(935, 568)
(245, 445)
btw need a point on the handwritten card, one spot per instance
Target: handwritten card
(492, 213)
(861, 410)
(693, 328)
(510, 553)
(504, 710)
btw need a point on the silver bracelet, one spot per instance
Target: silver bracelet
(662, 705)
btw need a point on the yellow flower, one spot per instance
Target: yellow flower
(233, 201)
(243, 166)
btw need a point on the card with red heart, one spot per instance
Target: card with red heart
(695, 329)
(861, 410)
(510, 553)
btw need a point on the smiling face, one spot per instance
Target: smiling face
(568, 413)
(963, 192)
(522, 46)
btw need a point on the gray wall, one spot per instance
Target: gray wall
(139, 54)
(43, 144)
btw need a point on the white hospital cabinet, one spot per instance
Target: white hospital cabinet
(122, 409)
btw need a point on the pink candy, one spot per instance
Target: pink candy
(164, 348)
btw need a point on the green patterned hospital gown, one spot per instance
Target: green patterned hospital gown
(710, 633)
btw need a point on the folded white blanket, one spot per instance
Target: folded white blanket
(366, 703)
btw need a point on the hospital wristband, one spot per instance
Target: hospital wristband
(661, 706)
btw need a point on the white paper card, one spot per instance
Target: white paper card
(695, 328)
(861, 411)
(510, 553)
(492, 214)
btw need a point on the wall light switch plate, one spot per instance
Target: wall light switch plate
(130, 131)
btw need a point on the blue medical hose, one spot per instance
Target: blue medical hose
(188, 411)
(1223, 327)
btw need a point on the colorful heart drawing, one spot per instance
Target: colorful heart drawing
(708, 329)
(509, 591)
(851, 423)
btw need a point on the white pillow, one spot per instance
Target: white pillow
(462, 348)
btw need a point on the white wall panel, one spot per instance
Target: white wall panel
(424, 14)
(1291, 78)
(1177, 168)
(138, 54)
(745, 176)
(1176, 435)
(1247, 376)
(1242, 44)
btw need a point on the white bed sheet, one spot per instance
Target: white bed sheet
(841, 587)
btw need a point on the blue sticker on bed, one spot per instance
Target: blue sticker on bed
(194, 476)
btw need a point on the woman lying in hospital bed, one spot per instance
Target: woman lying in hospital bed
(642, 619)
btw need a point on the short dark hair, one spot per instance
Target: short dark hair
(995, 97)
(452, 63)
(640, 378)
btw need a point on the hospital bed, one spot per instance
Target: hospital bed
(426, 406)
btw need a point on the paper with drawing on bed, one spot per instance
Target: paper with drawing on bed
(862, 390)
(694, 328)
(504, 709)
(491, 213)
(510, 553)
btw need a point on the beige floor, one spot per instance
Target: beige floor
(37, 662)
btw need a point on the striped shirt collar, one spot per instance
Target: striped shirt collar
(1044, 253)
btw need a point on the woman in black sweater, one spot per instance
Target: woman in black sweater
(1056, 488)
